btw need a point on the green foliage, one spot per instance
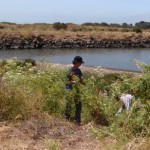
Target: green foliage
(125, 25)
(59, 26)
(52, 145)
(95, 24)
(137, 30)
(142, 25)
(29, 60)
(34, 89)
(12, 104)
(26, 89)
(115, 25)
(10, 23)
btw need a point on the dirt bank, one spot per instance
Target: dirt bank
(78, 41)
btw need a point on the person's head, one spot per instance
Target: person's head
(77, 61)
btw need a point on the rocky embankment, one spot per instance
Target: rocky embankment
(51, 42)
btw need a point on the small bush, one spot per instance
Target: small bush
(137, 30)
(125, 30)
(2, 27)
(18, 102)
(113, 29)
(59, 26)
(52, 145)
(30, 60)
(11, 103)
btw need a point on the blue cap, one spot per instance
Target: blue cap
(78, 59)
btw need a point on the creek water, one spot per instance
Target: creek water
(107, 58)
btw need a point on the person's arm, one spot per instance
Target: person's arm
(119, 111)
(81, 77)
(121, 106)
(81, 80)
(69, 77)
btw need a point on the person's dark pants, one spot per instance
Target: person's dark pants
(78, 108)
(68, 110)
(78, 112)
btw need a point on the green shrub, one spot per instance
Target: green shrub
(59, 26)
(18, 102)
(137, 30)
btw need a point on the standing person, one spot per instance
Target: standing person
(126, 101)
(74, 78)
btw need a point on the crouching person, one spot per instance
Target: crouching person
(126, 101)
(74, 78)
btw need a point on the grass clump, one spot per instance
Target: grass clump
(52, 145)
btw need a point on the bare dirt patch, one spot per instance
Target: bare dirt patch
(37, 134)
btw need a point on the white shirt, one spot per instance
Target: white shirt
(126, 100)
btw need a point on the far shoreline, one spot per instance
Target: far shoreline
(45, 36)
(47, 42)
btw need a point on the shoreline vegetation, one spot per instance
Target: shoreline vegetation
(60, 35)
(32, 101)
(93, 69)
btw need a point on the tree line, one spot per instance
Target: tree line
(60, 25)
(140, 25)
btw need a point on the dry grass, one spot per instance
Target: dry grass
(138, 144)
(46, 134)
(72, 31)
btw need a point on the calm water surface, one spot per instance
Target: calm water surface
(109, 58)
